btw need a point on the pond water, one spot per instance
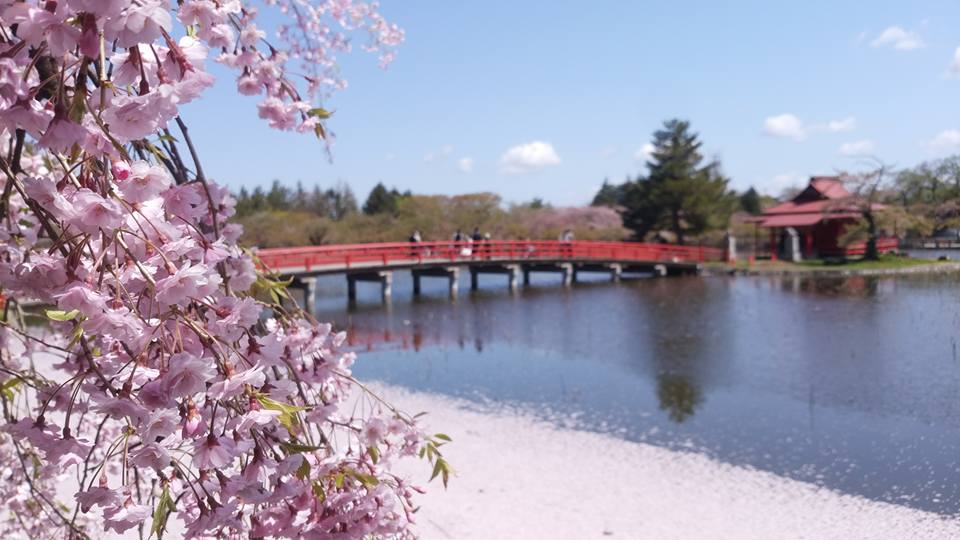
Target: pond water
(853, 384)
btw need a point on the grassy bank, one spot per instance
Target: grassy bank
(886, 264)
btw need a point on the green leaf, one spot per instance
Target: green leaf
(62, 316)
(320, 113)
(288, 413)
(338, 480)
(367, 480)
(75, 337)
(443, 437)
(297, 448)
(437, 469)
(8, 387)
(318, 491)
(374, 454)
(303, 471)
(165, 506)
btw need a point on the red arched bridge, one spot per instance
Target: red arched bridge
(514, 258)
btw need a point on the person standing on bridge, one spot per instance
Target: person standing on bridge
(415, 239)
(477, 238)
(566, 238)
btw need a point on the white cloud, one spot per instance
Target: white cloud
(954, 70)
(857, 148)
(465, 164)
(847, 124)
(785, 125)
(528, 157)
(429, 157)
(446, 149)
(947, 141)
(643, 153)
(899, 39)
(390, 156)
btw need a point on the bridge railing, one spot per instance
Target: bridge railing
(332, 257)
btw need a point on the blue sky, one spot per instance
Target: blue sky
(546, 99)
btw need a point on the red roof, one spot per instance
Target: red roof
(798, 220)
(830, 187)
(819, 201)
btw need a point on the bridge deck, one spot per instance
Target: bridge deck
(343, 259)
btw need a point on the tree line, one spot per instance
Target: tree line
(682, 197)
(284, 216)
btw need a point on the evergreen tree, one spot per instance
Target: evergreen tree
(299, 198)
(278, 198)
(680, 193)
(342, 201)
(381, 201)
(608, 195)
(750, 202)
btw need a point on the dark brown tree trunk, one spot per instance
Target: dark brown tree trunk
(675, 217)
(871, 251)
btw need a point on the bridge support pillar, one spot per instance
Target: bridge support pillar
(513, 273)
(451, 273)
(569, 274)
(616, 271)
(454, 282)
(474, 279)
(384, 277)
(309, 287)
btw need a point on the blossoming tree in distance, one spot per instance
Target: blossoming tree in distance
(166, 382)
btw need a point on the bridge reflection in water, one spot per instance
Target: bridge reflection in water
(512, 258)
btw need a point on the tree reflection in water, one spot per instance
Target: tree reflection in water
(678, 395)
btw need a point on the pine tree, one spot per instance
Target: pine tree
(608, 195)
(750, 202)
(680, 193)
(381, 201)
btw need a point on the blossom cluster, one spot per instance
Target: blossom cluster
(167, 382)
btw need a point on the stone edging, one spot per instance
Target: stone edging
(938, 268)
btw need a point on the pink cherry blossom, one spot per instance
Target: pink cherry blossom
(213, 453)
(164, 373)
(188, 374)
(92, 212)
(143, 181)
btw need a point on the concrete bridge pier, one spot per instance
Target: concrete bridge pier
(384, 277)
(451, 273)
(512, 271)
(307, 284)
(616, 271)
(567, 271)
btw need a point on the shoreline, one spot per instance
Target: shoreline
(827, 271)
(518, 477)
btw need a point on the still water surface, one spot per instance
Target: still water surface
(853, 383)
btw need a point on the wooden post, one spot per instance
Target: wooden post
(474, 279)
(416, 282)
